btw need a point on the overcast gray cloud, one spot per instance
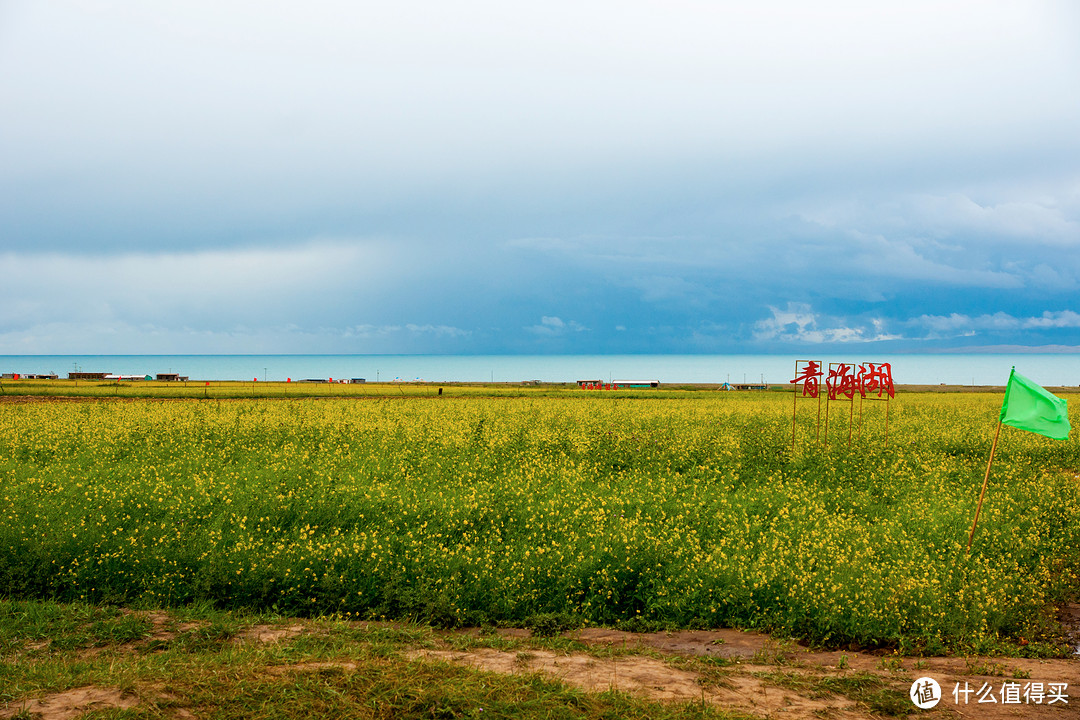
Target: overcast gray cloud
(575, 177)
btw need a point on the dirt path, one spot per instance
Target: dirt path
(747, 672)
(770, 679)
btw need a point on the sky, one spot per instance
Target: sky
(492, 177)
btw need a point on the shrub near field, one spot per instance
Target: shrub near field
(689, 512)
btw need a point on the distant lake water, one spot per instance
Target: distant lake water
(908, 369)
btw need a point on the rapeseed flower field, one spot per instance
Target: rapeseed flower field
(689, 512)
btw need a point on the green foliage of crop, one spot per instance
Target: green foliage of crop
(662, 512)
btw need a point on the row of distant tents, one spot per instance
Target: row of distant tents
(162, 377)
(176, 377)
(630, 384)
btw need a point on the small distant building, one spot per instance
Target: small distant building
(589, 383)
(751, 386)
(86, 375)
(636, 383)
(172, 377)
(358, 381)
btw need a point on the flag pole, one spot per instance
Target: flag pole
(982, 494)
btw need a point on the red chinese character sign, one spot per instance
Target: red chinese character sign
(807, 372)
(876, 377)
(841, 383)
(868, 380)
(876, 383)
(808, 375)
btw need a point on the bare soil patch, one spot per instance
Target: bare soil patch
(633, 674)
(716, 643)
(752, 673)
(269, 633)
(72, 703)
(1069, 615)
(166, 629)
(311, 667)
(649, 678)
(769, 678)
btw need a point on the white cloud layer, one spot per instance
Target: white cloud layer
(800, 324)
(232, 175)
(260, 283)
(304, 296)
(551, 326)
(957, 324)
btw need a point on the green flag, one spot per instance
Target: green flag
(1028, 407)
